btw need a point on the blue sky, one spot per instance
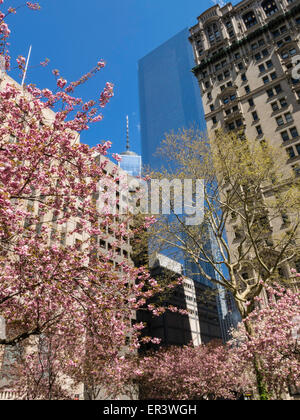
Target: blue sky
(75, 34)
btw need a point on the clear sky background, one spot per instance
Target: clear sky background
(75, 34)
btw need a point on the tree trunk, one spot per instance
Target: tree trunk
(260, 380)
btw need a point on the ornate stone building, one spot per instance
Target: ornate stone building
(244, 58)
(247, 58)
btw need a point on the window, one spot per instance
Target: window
(294, 132)
(228, 111)
(222, 87)
(280, 43)
(212, 107)
(239, 123)
(273, 75)
(251, 102)
(278, 89)
(269, 64)
(275, 106)
(283, 102)
(207, 85)
(220, 77)
(284, 136)
(259, 130)
(226, 73)
(231, 126)
(249, 19)
(279, 121)
(290, 152)
(233, 97)
(235, 108)
(288, 117)
(237, 55)
(254, 116)
(288, 53)
(296, 169)
(265, 80)
(240, 66)
(257, 56)
(213, 33)
(244, 77)
(261, 68)
(261, 42)
(270, 93)
(209, 96)
(229, 84)
(214, 120)
(276, 33)
(283, 29)
(247, 89)
(254, 46)
(265, 52)
(298, 148)
(270, 7)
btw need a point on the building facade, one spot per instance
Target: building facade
(169, 95)
(201, 323)
(247, 58)
(105, 243)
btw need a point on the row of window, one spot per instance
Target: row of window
(269, 6)
(288, 53)
(277, 32)
(289, 134)
(284, 119)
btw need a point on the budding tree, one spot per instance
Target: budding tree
(250, 226)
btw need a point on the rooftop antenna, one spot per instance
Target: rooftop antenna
(127, 134)
(26, 67)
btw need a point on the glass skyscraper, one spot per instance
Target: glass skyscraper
(131, 162)
(169, 94)
(170, 100)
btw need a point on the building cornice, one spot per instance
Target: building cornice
(253, 35)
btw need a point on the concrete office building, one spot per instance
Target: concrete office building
(60, 233)
(199, 326)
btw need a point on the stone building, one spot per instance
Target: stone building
(247, 57)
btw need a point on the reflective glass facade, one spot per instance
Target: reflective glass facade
(169, 100)
(169, 94)
(131, 164)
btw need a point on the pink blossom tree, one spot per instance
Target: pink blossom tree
(274, 341)
(54, 289)
(216, 371)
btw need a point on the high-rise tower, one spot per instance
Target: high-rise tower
(131, 162)
(170, 100)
